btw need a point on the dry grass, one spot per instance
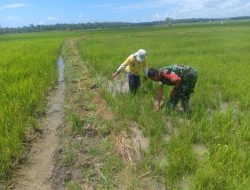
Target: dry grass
(102, 109)
(126, 148)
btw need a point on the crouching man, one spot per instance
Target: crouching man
(183, 78)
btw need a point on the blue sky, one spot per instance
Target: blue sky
(15, 13)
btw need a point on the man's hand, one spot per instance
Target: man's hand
(114, 74)
(156, 105)
(157, 101)
(172, 93)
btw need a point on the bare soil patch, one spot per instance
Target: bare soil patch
(102, 109)
(200, 150)
(118, 85)
(224, 106)
(141, 142)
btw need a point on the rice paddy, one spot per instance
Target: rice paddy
(210, 150)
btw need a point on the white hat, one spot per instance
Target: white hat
(140, 55)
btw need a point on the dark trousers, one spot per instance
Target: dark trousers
(184, 98)
(183, 94)
(133, 82)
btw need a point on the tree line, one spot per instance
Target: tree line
(101, 25)
(73, 27)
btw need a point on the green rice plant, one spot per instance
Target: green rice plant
(220, 103)
(28, 70)
(75, 122)
(73, 186)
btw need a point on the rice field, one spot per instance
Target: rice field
(28, 70)
(210, 150)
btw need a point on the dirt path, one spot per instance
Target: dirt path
(36, 172)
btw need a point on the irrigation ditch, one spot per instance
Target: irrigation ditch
(36, 171)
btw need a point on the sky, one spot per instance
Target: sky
(18, 13)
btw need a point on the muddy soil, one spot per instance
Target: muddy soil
(35, 173)
(140, 142)
(118, 85)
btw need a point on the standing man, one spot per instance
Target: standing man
(183, 78)
(132, 65)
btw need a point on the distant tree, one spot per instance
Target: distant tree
(169, 21)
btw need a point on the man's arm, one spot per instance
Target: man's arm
(159, 97)
(121, 67)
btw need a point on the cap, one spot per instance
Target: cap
(140, 55)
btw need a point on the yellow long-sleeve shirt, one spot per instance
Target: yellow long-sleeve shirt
(131, 65)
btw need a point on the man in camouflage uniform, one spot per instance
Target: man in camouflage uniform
(183, 78)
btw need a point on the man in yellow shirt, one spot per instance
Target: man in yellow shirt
(132, 65)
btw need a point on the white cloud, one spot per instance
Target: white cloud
(157, 16)
(143, 5)
(80, 16)
(12, 6)
(105, 5)
(41, 22)
(13, 18)
(189, 8)
(210, 9)
(51, 18)
(48, 20)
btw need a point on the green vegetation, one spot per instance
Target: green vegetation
(220, 104)
(89, 153)
(27, 70)
(208, 151)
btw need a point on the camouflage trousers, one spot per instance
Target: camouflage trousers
(188, 82)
